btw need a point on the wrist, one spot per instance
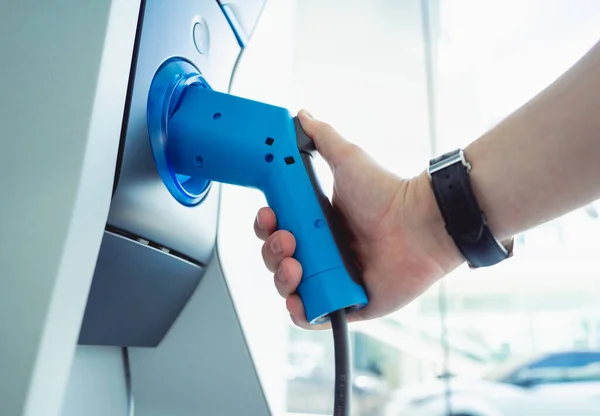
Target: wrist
(436, 240)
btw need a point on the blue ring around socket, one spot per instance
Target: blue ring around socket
(170, 80)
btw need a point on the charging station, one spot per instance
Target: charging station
(116, 303)
(117, 312)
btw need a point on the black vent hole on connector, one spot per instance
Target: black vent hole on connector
(289, 160)
(216, 116)
(269, 141)
(268, 158)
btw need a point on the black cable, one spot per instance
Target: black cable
(128, 385)
(343, 365)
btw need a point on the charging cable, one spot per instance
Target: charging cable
(343, 365)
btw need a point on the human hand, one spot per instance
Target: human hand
(397, 232)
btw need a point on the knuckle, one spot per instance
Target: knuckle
(352, 149)
(327, 129)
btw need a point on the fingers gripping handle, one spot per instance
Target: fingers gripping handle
(332, 285)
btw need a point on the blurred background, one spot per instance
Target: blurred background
(406, 80)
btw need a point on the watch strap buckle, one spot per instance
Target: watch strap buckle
(448, 159)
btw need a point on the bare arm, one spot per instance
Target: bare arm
(543, 160)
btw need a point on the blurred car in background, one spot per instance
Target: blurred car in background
(554, 384)
(310, 384)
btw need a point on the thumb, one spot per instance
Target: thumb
(329, 143)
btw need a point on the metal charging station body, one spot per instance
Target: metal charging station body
(110, 274)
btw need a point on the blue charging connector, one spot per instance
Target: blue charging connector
(199, 136)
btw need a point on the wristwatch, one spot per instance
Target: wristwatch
(463, 218)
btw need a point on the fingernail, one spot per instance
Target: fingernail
(276, 246)
(279, 276)
(258, 221)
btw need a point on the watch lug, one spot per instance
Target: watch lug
(448, 159)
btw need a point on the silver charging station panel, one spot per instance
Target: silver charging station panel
(199, 32)
(155, 250)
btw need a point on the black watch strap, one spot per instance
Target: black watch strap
(465, 222)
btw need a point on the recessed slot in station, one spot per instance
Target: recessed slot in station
(289, 160)
(269, 141)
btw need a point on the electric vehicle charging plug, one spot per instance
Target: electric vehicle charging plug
(199, 136)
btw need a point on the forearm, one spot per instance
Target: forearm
(538, 164)
(544, 159)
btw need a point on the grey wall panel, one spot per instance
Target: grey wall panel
(203, 366)
(97, 384)
(63, 81)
